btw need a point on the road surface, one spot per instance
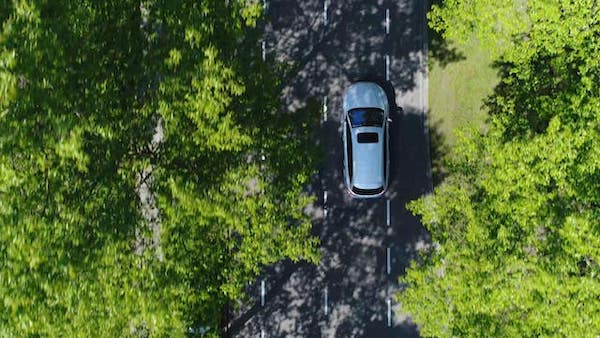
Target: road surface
(366, 244)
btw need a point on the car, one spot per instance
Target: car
(365, 136)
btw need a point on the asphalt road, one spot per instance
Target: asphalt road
(366, 244)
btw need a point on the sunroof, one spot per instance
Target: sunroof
(368, 138)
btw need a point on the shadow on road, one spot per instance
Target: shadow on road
(347, 294)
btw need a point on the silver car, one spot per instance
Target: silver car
(366, 140)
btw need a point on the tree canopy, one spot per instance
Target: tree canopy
(516, 225)
(85, 86)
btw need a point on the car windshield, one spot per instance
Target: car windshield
(365, 117)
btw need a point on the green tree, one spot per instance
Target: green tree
(516, 225)
(225, 211)
(65, 166)
(83, 85)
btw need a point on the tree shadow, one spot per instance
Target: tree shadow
(354, 239)
(439, 150)
(323, 60)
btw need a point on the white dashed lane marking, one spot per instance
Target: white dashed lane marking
(325, 108)
(325, 204)
(388, 216)
(389, 312)
(388, 261)
(387, 67)
(387, 21)
(262, 293)
(326, 300)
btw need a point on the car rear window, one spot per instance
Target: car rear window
(368, 137)
(364, 192)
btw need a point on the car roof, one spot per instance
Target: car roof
(367, 159)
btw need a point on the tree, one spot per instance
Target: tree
(226, 210)
(516, 223)
(66, 166)
(83, 86)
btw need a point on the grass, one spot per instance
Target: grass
(460, 78)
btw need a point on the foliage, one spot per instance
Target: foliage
(83, 85)
(517, 221)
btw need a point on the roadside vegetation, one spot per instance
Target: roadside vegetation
(101, 98)
(516, 222)
(461, 77)
(458, 88)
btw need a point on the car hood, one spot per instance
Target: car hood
(367, 160)
(365, 95)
